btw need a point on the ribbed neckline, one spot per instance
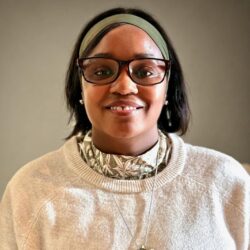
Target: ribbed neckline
(174, 167)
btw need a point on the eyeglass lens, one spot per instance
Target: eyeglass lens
(141, 71)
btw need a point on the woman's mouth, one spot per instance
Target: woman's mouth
(123, 103)
(119, 108)
(124, 107)
(124, 110)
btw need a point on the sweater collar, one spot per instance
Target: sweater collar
(79, 166)
(122, 166)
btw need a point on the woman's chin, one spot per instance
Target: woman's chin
(122, 133)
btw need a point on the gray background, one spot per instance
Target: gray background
(37, 37)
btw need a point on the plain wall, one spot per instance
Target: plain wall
(37, 37)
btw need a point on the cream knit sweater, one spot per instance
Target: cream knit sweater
(57, 202)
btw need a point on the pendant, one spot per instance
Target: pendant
(144, 248)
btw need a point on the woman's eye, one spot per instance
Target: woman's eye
(143, 73)
(103, 72)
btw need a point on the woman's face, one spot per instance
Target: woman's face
(143, 104)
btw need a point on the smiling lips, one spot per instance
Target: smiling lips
(124, 107)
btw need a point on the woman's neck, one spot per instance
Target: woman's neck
(132, 146)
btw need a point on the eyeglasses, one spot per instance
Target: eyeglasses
(142, 71)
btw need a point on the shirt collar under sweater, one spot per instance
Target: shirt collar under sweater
(174, 168)
(122, 166)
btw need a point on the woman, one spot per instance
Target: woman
(123, 180)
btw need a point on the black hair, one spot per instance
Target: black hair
(178, 108)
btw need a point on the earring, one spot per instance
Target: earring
(166, 102)
(169, 118)
(81, 101)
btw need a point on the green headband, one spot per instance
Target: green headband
(129, 19)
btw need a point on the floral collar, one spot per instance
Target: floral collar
(121, 166)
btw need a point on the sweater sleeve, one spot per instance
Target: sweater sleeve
(233, 186)
(7, 222)
(25, 195)
(229, 185)
(18, 211)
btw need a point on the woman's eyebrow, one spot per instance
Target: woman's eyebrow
(143, 55)
(137, 55)
(108, 55)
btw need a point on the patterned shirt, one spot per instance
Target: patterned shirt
(123, 166)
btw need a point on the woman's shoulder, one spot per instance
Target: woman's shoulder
(52, 163)
(40, 164)
(203, 155)
(210, 166)
(44, 173)
(204, 164)
(37, 171)
(205, 161)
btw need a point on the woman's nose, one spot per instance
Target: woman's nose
(124, 85)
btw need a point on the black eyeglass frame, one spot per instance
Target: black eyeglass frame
(122, 63)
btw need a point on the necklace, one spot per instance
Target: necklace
(143, 246)
(84, 145)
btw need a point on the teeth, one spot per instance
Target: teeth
(123, 108)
